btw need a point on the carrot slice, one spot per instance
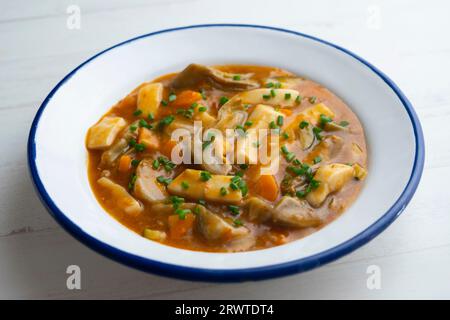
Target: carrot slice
(268, 187)
(167, 146)
(286, 112)
(148, 138)
(124, 163)
(179, 228)
(186, 98)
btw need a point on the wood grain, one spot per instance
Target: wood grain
(406, 40)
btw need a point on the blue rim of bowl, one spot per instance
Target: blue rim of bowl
(232, 275)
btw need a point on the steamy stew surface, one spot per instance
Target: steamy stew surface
(234, 205)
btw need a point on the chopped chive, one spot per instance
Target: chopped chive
(273, 93)
(269, 85)
(135, 162)
(155, 164)
(234, 186)
(266, 96)
(312, 99)
(202, 109)
(303, 124)
(139, 147)
(202, 92)
(234, 210)
(223, 100)
(296, 162)
(223, 191)
(284, 149)
(238, 223)
(248, 123)
(280, 120)
(164, 103)
(205, 175)
(202, 202)
(166, 121)
(184, 185)
(137, 112)
(324, 119)
(317, 131)
(133, 179)
(285, 135)
(287, 96)
(182, 213)
(172, 97)
(237, 77)
(298, 99)
(133, 128)
(290, 156)
(197, 210)
(344, 123)
(314, 184)
(300, 193)
(243, 166)
(163, 180)
(317, 160)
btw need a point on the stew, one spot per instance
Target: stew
(237, 200)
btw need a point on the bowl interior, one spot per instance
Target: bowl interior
(89, 93)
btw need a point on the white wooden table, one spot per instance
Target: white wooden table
(406, 39)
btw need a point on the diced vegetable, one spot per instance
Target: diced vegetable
(148, 138)
(186, 99)
(268, 187)
(332, 178)
(295, 213)
(268, 96)
(194, 179)
(214, 228)
(155, 235)
(167, 146)
(326, 149)
(103, 134)
(149, 98)
(207, 190)
(196, 74)
(359, 172)
(213, 190)
(262, 116)
(120, 146)
(179, 228)
(121, 197)
(259, 210)
(307, 119)
(124, 163)
(146, 186)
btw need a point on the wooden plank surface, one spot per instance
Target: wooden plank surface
(405, 39)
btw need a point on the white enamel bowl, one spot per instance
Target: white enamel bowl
(57, 154)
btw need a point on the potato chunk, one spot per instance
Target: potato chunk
(190, 184)
(122, 198)
(262, 116)
(149, 98)
(332, 178)
(275, 97)
(311, 115)
(218, 190)
(103, 134)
